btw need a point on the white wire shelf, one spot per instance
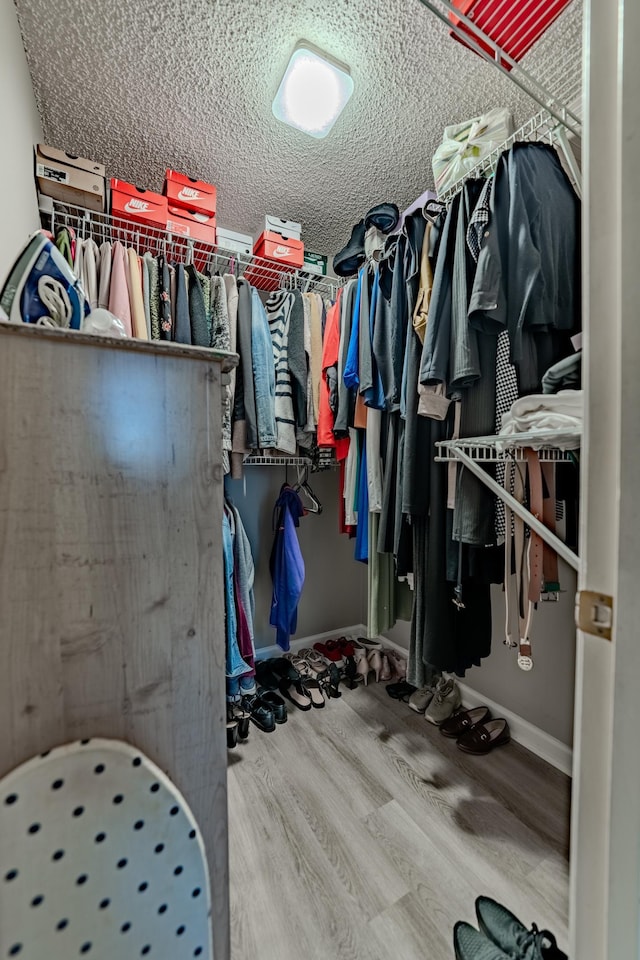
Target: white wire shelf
(503, 448)
(555, 87)
(264, 274)
(284, 461)
(476, 453)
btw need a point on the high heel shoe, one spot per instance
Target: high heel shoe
(329, 683)
(386, 671)
(372, 663)
(232, 734)
(242, 718)
(350, 674)
(399, 664)
(375, 663)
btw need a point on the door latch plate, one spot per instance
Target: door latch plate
(594, 613)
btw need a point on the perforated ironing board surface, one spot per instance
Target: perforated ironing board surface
(101, 858)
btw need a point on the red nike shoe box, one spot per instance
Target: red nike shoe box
(192, 225)
(193, 195)
(129, 202)
(515, 29)
(283, 256)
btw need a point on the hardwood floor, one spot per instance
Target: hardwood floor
(360, 832)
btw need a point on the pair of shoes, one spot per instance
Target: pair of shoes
(333, 650)
(446, 700)
(271, 672)
(237, 715)
(420, 699)
(370, 662)
(304, 693)
(260, 711)
(398, 664)
(400, 691)
(502, 937)
(483, 736)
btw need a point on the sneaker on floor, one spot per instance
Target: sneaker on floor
(507, 932)
(446, 699)
(470, 944)
(420, 700)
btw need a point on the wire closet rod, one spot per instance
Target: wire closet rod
(103, 227)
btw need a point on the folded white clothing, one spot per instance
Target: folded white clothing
(557, 418)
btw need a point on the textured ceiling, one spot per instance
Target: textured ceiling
(188, 84)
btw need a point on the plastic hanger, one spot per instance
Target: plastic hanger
(303, 486)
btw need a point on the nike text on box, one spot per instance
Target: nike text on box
(194, 195)
(133, 203)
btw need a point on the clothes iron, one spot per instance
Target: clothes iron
(41, 288)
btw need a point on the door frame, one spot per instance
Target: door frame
(605, 833)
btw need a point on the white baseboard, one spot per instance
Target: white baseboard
(542, 744)
(548, 748)
(554, 751)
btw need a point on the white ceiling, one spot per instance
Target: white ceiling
(146, 85)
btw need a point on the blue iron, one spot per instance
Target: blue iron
(41, 288)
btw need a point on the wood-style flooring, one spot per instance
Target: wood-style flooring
(359, 832)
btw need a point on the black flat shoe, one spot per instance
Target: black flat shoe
(484, 737)
(276, 703)
(461, 722)
(401, 690)
(261, 713)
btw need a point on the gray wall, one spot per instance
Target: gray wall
(21, 128)
(335, 590)
(544, 696)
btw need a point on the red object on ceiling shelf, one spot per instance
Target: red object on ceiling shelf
(514, 25)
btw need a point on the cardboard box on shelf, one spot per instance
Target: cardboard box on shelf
(129, 202)
(286, 228)
(70, 179)
(193, 195)
(241, 243)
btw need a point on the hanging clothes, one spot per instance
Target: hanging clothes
(286, 565)
(278, 308)
(264, 377)
(119, 304)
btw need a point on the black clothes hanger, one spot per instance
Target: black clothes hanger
(303, 486)
(432, 209)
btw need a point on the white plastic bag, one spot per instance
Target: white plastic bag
(103, 323)
(463, 144)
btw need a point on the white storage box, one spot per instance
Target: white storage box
(232, 240)
(286, 228)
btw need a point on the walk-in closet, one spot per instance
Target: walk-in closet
(318, 462)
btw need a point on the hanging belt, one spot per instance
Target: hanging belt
(515, 540)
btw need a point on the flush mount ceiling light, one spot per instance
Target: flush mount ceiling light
(314, 91)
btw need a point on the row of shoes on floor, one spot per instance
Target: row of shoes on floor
(308, 679)
(475, 731)
(501, 936)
